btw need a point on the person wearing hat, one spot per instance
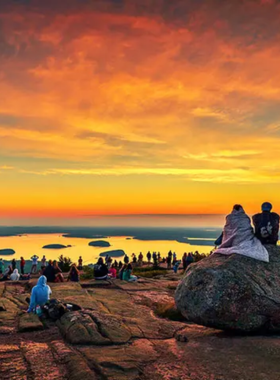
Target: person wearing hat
(266, 225)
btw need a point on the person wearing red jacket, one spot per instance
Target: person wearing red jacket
(22, 265)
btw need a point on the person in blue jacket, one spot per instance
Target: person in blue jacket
(40, 294)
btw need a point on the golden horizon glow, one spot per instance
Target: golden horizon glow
(109, 107)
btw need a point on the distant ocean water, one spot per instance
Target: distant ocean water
(27, 241)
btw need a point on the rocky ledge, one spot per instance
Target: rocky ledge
(118, 336)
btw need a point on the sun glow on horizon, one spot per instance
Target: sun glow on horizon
(112, 107)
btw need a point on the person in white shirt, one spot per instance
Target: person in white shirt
(43, 262)
(34, 263)
(15, 276)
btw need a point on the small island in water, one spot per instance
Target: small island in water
(7, 252)
(113, 253)
(56, 246)
(99, 243)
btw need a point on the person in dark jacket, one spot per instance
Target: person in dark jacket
(73, 275)
(219, 240)
(49, 272)
(266, 225)
(100, 270)
(14, 264)
(126, 259)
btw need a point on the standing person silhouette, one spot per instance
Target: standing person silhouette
(34, 263)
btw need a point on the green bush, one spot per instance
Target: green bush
(87, 273)
(64, 263)
(149, 272)
(147, 269)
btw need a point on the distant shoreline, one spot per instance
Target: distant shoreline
(202, 235)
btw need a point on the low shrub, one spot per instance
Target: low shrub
(64, 263)
(87, 273)
(149, 272)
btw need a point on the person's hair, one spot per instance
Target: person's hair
(100, 261)
(237, 207)
(74, 268)
(50, 262)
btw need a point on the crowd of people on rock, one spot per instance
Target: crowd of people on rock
(51, 270)
(110, 270)
(239, 237)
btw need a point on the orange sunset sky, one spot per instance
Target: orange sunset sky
(138, 107)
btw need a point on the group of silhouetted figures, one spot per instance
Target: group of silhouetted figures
(239, 237)
(111, 270)
(51, 270)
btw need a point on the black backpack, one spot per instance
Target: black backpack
(55, 309)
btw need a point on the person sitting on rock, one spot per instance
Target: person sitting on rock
(121, 271)
(127, 274)
(176, 266)
(219, 240)
(58, 272)
(15, 276)
(266, 225)
(113, 272)
(74, 275)
(40, 294)
(100, 270)
(49, 272)
(239, 238)
(187, 260)
(7, 272)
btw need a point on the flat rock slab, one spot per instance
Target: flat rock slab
(124, 362)
(8, 317)
(40, 359)
(77, 367)
(12, 363)
(2, 306)
(212, 355)
(139, 319)
(29, 322)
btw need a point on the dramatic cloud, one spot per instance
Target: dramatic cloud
(158, 89)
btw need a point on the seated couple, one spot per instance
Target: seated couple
(238, 235)
(102, 272)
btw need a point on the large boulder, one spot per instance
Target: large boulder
(233, 293)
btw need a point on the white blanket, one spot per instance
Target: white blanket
(238, 237)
